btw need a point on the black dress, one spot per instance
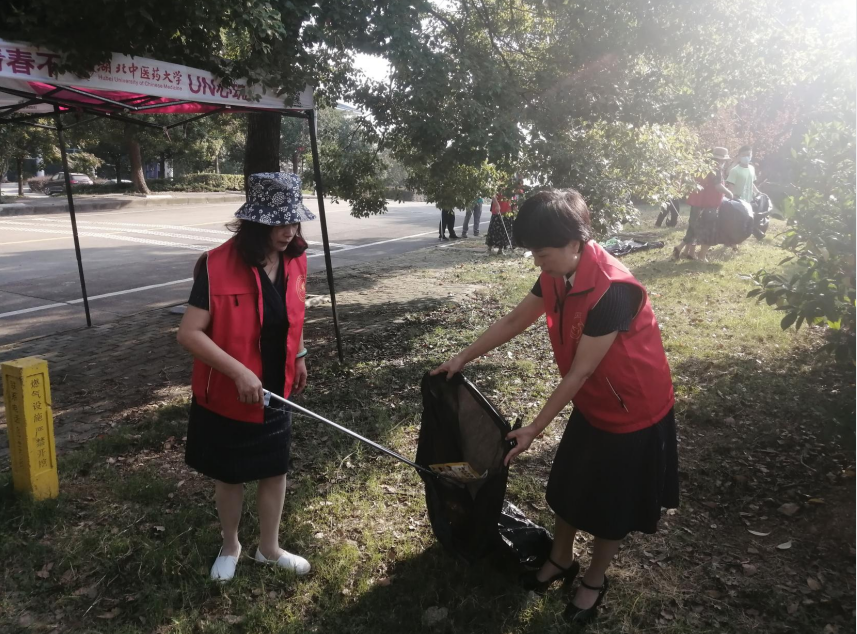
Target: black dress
(612, 484)
(235, 451)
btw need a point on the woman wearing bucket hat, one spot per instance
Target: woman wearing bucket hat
(244, 327)
(702, 225)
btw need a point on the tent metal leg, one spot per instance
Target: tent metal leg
(327, 261)
(70, 197)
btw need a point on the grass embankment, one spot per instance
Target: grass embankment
(766, 442)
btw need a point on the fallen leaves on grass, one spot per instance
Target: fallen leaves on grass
(789, 508)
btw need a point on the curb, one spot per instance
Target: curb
(82, 206)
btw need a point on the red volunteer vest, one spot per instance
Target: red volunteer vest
(235, 304)
(631, 388)
(708, 197)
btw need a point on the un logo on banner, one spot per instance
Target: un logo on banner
(300, 287)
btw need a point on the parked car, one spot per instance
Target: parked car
(56, 185)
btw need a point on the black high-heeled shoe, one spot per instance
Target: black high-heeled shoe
(530, 580)
(579, 616)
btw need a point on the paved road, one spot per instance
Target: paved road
(140, 260)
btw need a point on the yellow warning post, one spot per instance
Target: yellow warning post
(30, 425)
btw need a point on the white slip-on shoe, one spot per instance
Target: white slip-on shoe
(287, 560)
(224, 566)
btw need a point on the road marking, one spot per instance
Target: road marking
(38, 240)
(132, 227)
(93, 297)
(109, 236)
(375, 244)
(189, 279)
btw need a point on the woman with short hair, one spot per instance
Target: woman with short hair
(616, 465)
(244, 327)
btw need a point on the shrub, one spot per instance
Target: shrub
(186, 183)
(37, 183)
(820, 237)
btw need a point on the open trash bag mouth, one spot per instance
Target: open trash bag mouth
(463, 441)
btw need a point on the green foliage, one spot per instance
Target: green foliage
(351, 162)
(84, 162)
(280, 44)
(511, 81)
(614, 164)
(455, 186)
(185, 183)
(18, 141)
(820, 288)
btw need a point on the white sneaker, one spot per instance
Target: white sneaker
(224, 566)
(287, 560)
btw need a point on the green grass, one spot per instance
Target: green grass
(762, 420)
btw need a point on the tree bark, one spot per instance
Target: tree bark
(217, 163)
(162, 166)
(295, 158)
(138, 179)
(262, 150)
(19, 162)
(118, 164)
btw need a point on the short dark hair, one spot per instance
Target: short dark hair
(552, 218)
(745, 148)
(253, 238)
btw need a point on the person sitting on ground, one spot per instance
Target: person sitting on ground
(616, 465)
(244, 327)
(702, 223)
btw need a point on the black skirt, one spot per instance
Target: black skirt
(707, 227)
(235, 452)
(500, 231)
(609, 484)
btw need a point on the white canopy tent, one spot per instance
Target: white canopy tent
(31, 88)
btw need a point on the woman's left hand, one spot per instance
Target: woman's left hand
(300, 376)
(524, 437)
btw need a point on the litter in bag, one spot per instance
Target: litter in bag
(526, 540)
(618, 247)
(460, 426)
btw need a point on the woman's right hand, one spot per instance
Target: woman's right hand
(249, 388)
(451, 367)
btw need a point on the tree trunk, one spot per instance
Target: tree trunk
(217, 163)
(138, 179)
(118, 169)
(162, 166)
(262, 150)
(295, 162)
(19, 162)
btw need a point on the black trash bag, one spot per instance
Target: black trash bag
(460, 425)
(669, 208)
(761, 210)
(617, 247)
(735, 221)
(527, 541)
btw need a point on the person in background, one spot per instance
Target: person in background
(447, 224)
(476, 212)
(702, 223)
(500, 228)
(244, 327)
(742, 177)
(616, 466)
